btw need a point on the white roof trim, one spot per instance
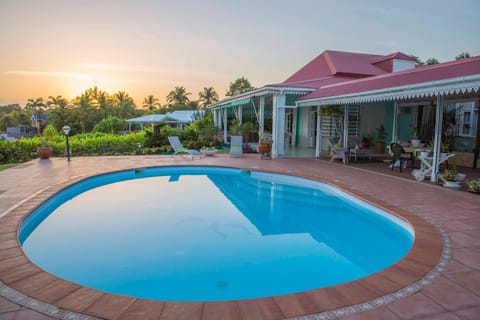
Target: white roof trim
(421, 90)
(259, 92)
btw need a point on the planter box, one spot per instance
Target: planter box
(464, 159)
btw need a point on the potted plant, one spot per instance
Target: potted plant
(450, 180)
(264, 145)
(474, 186)
(49, 134)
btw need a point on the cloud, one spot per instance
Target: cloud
(54, 74)
(109, 66)
(147, 36)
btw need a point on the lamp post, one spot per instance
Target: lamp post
(66, 129)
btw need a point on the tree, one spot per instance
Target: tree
(207, 96)
(239, 86)
(124, 105)
(462, 55)
(57, 112)
(431, 61)
(179, 96)
(35, 104)
(417, 60)
(151, 103)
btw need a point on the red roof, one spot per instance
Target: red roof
(436, 72)
(345, 65)
(313, 83)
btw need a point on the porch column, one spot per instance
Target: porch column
(278, 125)
(318, 139)
(395, 122)
(215, 119)
(129, 127)
(261, 124)
(345, 127)
(225, 124)
(294, 127)
(240, 114)
(437, 138)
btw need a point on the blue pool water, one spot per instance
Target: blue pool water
(209, 234)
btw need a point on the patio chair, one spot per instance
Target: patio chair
(180, 150)
(236, 144)
(337, 153)
(400, 155)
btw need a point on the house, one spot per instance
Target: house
(177, 118)
(369, 91)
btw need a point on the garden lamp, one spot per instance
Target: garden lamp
(66, 129)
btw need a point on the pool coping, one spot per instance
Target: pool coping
(26, 284)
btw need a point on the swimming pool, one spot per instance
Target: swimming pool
(209, 234)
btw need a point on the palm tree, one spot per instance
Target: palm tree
(151, 103)
(178, 96)
(35, 104)
(124, 104)
(207, 96)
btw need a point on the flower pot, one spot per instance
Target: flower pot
(415, 143)
(380, 147)
(264, 147)
(44, 152)
(451, 184)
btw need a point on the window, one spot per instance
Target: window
(467, 115)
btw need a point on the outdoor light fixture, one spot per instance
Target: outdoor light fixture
(66, 129)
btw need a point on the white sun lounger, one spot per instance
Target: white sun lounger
(236, 143)
(180, 150)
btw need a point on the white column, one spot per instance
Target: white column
(437, 138)
(294, 127)
(261, 125)
(225, 123)
(318, 140)
(215, 119)
(395, 122)
(278, 126)
(240, 114)
(345, 126)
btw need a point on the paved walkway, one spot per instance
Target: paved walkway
(453, 294)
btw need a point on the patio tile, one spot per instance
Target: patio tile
(450, 296)
(143, 309)
(26, 314)
(442, 316)
(7, 305)
(469, 314)
(182, 311)
(463, 240)
(294, 305)
(469, 257)
(252, 309)
(54, 290)
(80, 299)
(377, 314)
(7, 315)
(10, 253)
(34, 283)
(221, 311)
(19, 272)
(469, 280)
(109, 306)
(415, 306)
(456, 266)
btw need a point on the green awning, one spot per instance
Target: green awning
(234, 104)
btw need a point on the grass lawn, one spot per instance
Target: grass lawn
(8, 165)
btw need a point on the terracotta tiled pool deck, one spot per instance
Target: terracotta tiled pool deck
(438, 279)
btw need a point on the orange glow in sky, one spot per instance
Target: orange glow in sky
(143, 47)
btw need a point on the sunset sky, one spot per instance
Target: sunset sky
(59, 47)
